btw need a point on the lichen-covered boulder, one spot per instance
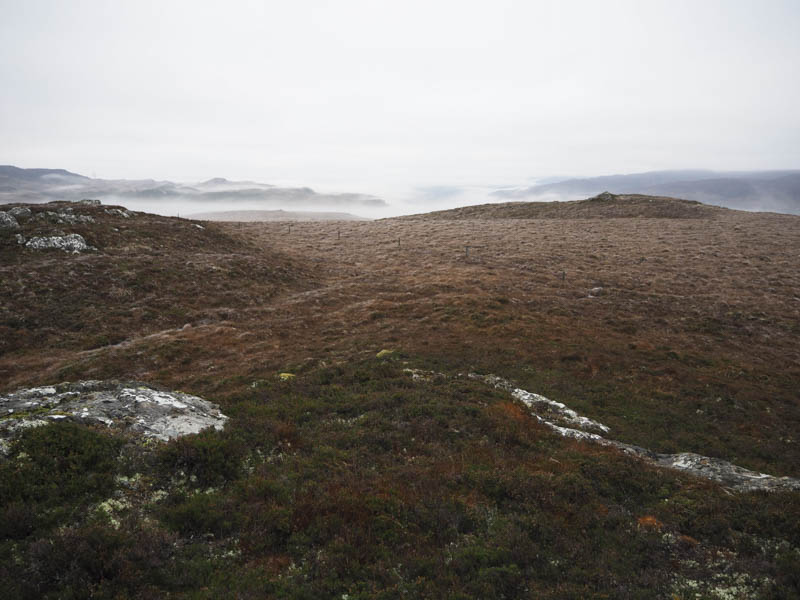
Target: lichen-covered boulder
(20, 213)
(7, 221)
(125, 406)
(72, 242)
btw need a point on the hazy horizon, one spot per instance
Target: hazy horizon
(771, 191)
(384, 99)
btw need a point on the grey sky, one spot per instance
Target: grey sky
(368, 95)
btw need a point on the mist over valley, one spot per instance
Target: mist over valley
(764, 191)
(356, 300)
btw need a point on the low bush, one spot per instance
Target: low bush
(53, 473)
(210, 458)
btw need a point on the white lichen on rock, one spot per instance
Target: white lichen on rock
(20, 213)
(112, 509)
(127, 406)
(66, 217)
(557, 415)
(72, 242)
(119, 212)
(539, 404)
(420, 375)
(725, 472)
(7, 221)
(721, 586)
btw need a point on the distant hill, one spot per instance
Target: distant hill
(257, 216)
(45, 185)
(774, 191)
(602, 206)
(9, 172)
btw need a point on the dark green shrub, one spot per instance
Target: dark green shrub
(200, 514)
(213, 458)
(53, 472)
(94, 561)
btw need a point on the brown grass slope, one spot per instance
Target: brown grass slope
(351, 478)
(690, 346)
(148, 275)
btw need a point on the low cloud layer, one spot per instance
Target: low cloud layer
(355, 95)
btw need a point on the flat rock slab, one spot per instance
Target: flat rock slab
(726, 473)
(128, 406)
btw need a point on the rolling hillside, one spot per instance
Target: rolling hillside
(474, 403)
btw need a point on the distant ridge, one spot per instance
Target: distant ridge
(602, 206)
(775, 191)
(9, 171)
(46, 185)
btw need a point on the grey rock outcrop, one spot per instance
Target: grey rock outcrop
(72, 242)
(124, 406)
(7, 222)
(567, 423)
(20, 213)
(726, 473)
(65, 218)
(555, 412)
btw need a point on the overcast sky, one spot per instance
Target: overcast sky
(367, 95)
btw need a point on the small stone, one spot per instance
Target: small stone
(604, 196)
(595, 291)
